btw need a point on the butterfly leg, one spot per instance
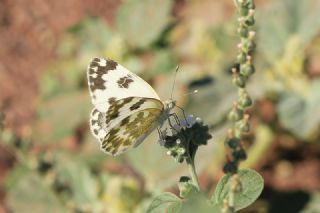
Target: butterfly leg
(174, 115)
(161, 136)
(184, 115)
(169, 121)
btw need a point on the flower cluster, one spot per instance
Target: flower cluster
(185, 138)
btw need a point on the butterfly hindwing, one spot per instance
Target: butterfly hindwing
(109, 81)
(130, 132)
(98, 124)
(135, 120)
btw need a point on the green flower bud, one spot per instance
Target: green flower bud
(244, 101)
(242, 58)
(251, 5)
(247, 70)
(243, 31)
(248, 46)
(249, 21)
(239, 80)
(244, 11)
(235, 114)
(244, 126)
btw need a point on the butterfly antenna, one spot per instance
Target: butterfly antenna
(174, 82)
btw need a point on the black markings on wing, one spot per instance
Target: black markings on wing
(111, 100)
(122, 108)
(130, 131)
(98, 124)
(97, 68)
(114, 110)
(137, 105)
(125, 81)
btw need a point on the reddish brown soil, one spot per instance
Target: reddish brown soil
(29, 33)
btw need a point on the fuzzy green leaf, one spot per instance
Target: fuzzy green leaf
(30, 193)
(198, 202)
(284, 19)
(59, 117)
(141, 22)
(165, 202)
(82, 183)
(299, 113)
(251, 184)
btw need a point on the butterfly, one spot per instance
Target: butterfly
(126, 108)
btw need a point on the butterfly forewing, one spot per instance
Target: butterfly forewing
(109, 81)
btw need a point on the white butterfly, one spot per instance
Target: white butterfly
(127, 109)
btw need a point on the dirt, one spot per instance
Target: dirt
(30, 31)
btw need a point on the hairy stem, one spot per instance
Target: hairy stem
(193, 173)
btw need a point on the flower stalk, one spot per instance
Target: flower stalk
(238, 114)
(193, 173)
(182, 144)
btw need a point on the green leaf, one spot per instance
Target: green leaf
(251, 184)
(198, 202)
(83, 185)
(299, 112)
(59, 117)
(151, 161)
(141, 22)
(285, 19)
(165, 202)
(163, 62)
(30, 193)
(61, 77)
(93, 35)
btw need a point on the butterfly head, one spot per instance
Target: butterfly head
(169, 105)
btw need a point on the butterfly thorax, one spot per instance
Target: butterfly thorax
(168, 106)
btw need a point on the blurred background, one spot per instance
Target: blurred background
(50, 162)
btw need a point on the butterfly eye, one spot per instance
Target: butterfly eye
(171, 104)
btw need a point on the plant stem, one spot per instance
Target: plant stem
(193, 173)
(232, 192)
